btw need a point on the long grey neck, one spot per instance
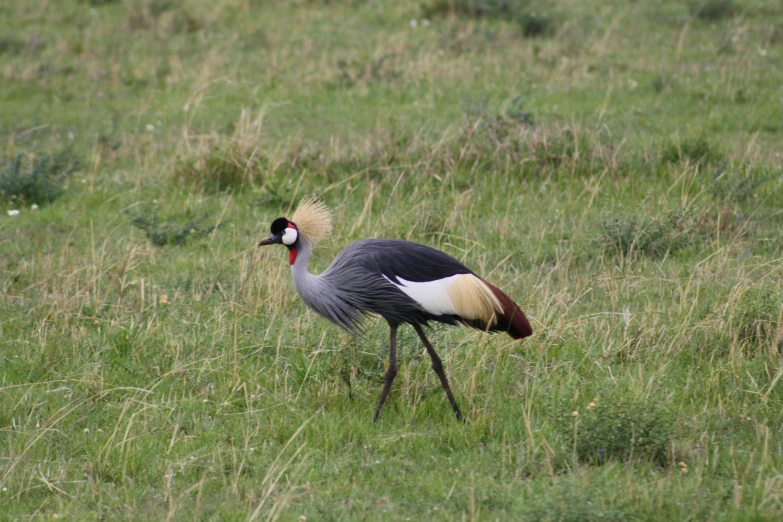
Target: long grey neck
(307, 285)
(326, 293)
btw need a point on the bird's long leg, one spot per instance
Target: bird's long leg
(391, 373)
(437, 365)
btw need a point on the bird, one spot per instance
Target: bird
(401, 281)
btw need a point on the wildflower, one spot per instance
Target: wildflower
(34, 207)
(164, 299)
(574, 413)
(591, 405)
(414, 23)
(13, 212)
(150, 127)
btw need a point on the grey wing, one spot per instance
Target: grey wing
(395, 258)
(358, 286)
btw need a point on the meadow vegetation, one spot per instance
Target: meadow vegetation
(614, 166)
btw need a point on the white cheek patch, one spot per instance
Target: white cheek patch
(289, 236)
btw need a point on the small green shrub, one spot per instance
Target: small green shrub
(712, 10)
(659, 83)
(535, 24)
(144, 14)
(729, 186)
(571, 506)
(36, 179)
(382, 69)
(618, 426)
(99, 3)
(321, 3)
(698, 150)
(532, 19)
(634, 234)
(756, 314)
(220, 168)
(561, 147)
(173, 231)
(510, 114)
(11, 45)
(162, 14)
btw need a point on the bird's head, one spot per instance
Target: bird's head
(284, 232)
(311, 222)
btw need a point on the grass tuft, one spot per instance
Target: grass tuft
(99, 3)
(618, 425)
(712, 10)
(10, 44)
(172, 231)
(163, 14)
(38, 178)
(731, 187)
(757, 315)
(534, 20)
(630, 235)
(698, 150)
(222, 168)
(571, 506)
(221, 162)
(352, 72)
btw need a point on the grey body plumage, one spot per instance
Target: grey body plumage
(349, 290)
(357, 282)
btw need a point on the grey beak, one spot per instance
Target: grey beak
(272, 240)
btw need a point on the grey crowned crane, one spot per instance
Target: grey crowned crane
(401, 281)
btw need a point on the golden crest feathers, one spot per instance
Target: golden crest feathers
(313, 219)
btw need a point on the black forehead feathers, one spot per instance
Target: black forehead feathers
(279, 225)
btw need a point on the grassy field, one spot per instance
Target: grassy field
(614, 166)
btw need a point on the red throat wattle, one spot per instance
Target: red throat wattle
(292, 252)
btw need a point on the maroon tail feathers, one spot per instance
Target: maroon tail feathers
(512, 321)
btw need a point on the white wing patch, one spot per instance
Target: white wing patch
(432, 296)
(463, 295)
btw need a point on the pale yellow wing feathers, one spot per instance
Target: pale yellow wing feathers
(473, 299)
(313, 219)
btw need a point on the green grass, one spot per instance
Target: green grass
(617, 173)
